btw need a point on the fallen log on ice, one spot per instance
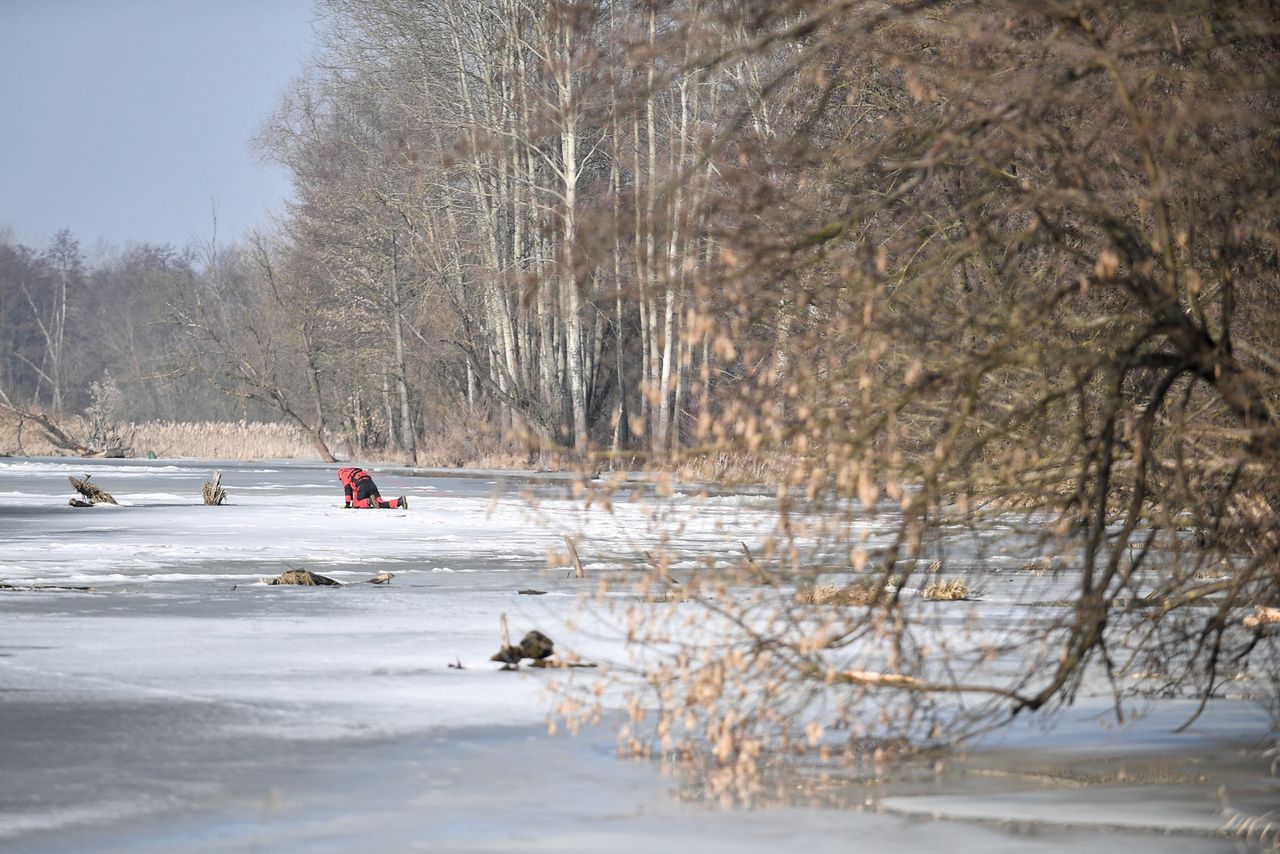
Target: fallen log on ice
(92, 494)
(4, 585)
(212, 491)
(58, 437)
(304, 578)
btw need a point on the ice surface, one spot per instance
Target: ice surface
(1159, 809)
(184, 705)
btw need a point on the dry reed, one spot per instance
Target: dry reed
(947, 591)
(221, 440)
(858, 593)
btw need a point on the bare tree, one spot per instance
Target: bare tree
(51, 312)
(259, 330)
(1026, 255)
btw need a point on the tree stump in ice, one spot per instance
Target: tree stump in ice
(509, 656)
(534, 645)
(305, 578)
(213, 492)
(90, 491)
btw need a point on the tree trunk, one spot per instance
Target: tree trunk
(408, 435)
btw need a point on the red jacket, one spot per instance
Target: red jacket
(351, 478)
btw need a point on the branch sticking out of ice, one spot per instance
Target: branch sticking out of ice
(212, 491)
(92, 494)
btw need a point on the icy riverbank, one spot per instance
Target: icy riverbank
(185, 706)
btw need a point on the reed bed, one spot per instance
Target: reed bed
(247, 440)
(220, 440)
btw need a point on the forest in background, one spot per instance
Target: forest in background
(621, 227)
(68, 322)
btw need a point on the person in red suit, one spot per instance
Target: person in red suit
(360, 491)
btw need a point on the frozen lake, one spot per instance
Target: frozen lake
(183, 705)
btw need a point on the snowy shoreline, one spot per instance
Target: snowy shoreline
(186, 706)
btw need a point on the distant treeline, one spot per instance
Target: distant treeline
(67, 322)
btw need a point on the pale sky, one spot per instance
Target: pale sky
(126, 120)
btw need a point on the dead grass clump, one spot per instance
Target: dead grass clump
(664, 597)
(1039, 566)
(212, 491)
(858, 593)
(1262, 617)
(726, 467)
(947, 591)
